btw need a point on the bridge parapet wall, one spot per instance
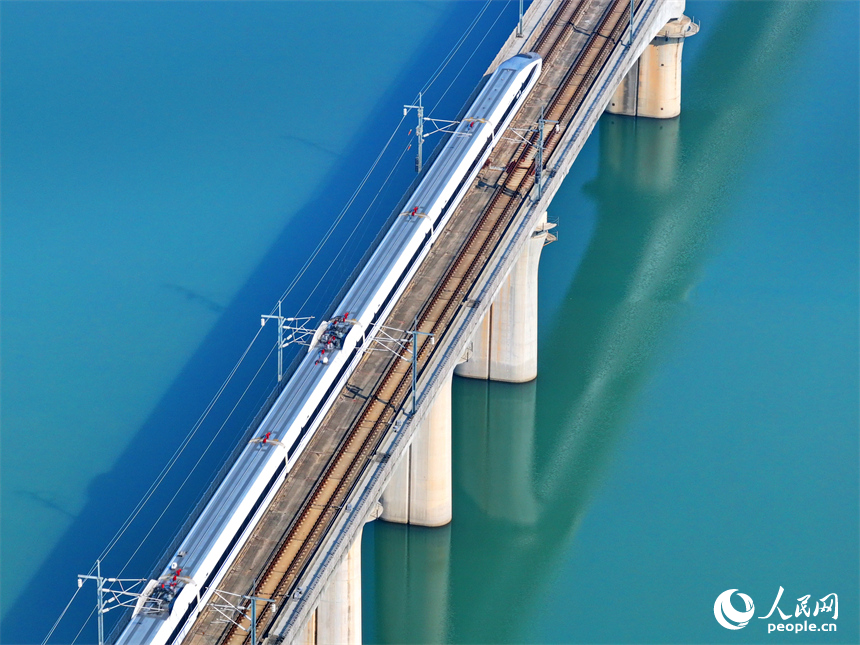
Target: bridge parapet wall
(301, 607)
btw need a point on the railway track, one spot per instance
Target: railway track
(565, 20)
(511, 186)
(521, 170)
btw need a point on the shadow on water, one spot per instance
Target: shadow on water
(111, 495)
(529, 458)
(197, 298)
(48, 499)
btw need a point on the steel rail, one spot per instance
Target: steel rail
(298, 543)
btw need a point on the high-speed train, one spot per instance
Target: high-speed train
(170, 604)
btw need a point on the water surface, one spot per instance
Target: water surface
(167, 170)
(694, 424)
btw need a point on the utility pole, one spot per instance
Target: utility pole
(254, 600)
(281, 321)
(539, 170)
(120, 592)
(388, 342)
(520, 23)
(522, 132)
(419, 130)
(232, 606)
(253, 620)
(100, 607)
(440, 125)
(415, 333)
(298, 334)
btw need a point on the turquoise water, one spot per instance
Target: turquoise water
(694, 424)
(168, 167)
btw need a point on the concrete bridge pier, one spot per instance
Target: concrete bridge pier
(337, 617)
(652, 87)
(419, 491)
(504, 347)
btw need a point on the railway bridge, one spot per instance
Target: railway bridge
(385, 451)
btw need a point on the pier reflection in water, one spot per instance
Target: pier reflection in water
(529, 459)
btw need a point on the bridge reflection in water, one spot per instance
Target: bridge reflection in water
(528, 458)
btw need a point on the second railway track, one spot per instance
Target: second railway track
(292, 552)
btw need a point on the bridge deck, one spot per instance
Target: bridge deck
(576, 39)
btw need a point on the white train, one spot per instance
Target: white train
(169, 605)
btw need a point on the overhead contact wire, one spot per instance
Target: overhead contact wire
(177, 453)
(426, 86)
(197, 463)
(472, 55)
(455, 49)
(195, 428)
(342, 213)
(356, 227)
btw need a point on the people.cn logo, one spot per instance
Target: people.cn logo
(727, 615)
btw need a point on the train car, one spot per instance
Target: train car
(170, 603)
